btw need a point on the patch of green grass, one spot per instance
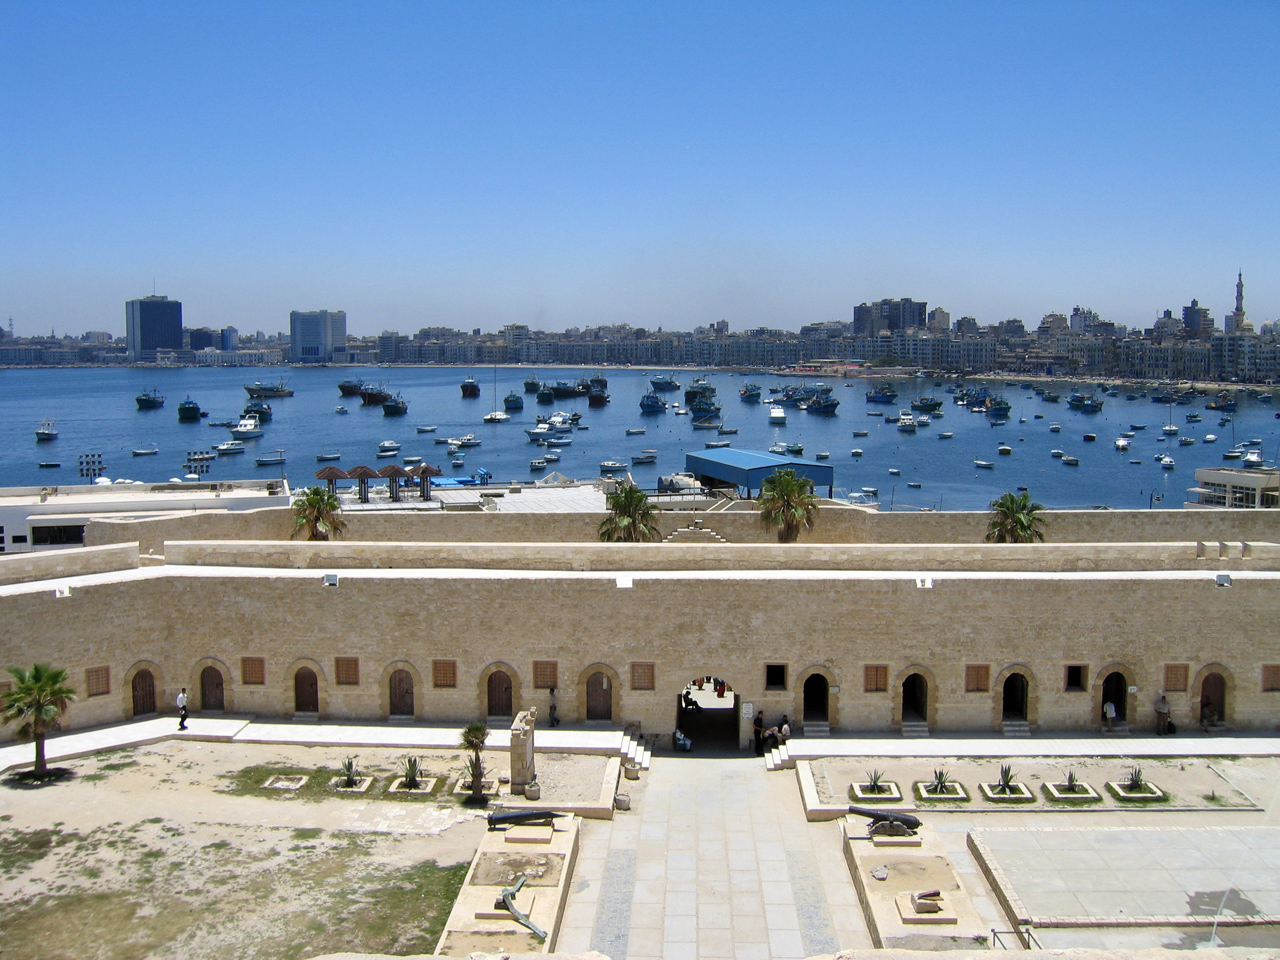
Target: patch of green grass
(1140, 801)
(93, 777)
(307, 833)
(152, 854)
(122, 765)
(217, 845)
(1084, 800)
(20, 849)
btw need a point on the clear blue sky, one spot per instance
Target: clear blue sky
(476, 164)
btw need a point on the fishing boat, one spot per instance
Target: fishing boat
(468, 440)
(189, 411)
(350, 387)
(750, 392)
(717, 444)
(326, 455)
(470, 389)
(339, 409)
(147, 451)
(257, 408)
(396, 406)
(532, 383)
(392, 445)
(795, 449)
(984, 464)
(247, 428)
(652, 403)
(777, 416)
(635, 431)
(149, 400)
(551, 456)
(48, 430)
(643, 458)
(374, 395)
(1084, 402)
(884, 393)
(513, 401)
(229, 447)
(262, 391)
(545, 394)
(663, 383)
(597, 397)
(707, 424)
(926, 404)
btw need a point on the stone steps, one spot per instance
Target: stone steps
(815, 728)
(1016, 728)
(915, 728)
(779, 758)
(695, 533)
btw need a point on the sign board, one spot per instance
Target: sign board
(1133, 689)
(748, 711)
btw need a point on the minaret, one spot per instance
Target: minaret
(1240, 293)
(1235, 321)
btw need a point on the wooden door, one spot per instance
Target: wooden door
(306, 691)
(499, 694)
(599, 697)
(144, 693)
(210, 689)
(401, 693)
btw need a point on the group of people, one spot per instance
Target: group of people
(773, 736)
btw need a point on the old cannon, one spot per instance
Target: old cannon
(887, 823)
(515, 818)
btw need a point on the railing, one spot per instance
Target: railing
(1024, 939)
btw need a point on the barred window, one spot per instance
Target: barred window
(977, 678)
(346, 671)
(97, 681)
(642, 676)
(253, 671)
(544, 674)
(444, 673)
(1175, 677)
(1271, 676)
(875, 678)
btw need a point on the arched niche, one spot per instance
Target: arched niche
(931, 698)
(482, 688)
(162, 697)
(1099, 681)
(833, 692)
(288, 686)
(614, 691)
(384, 689)
(194, 692)
(1226, 712)
(1032, 694)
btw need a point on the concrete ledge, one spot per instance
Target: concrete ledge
(814, 809)
(73, 562)
(599, 809)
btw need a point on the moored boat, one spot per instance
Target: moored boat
(326, 455)
(229, 447)
(374, 395)
(149, 400)
(260, 391)
(48, 430)
(513, 401)
(148, 451)
(351, 387)
(396, 406)
(270, 459)
(777, 416)
(470, 389)
(189, 411)
(247, 428)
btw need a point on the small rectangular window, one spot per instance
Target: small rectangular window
(875, 678)
(346, 671)
(97, 681)
(977, 678)
(642, 676)
(1076, 676)
(1270, 677)
(775, 676)
(444, 673)
(253, 671)
(1175, 677)
(18, 538)
(544, 674)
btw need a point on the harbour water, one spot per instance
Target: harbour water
(96, 412)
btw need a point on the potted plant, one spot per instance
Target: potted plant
(941, 787)
(1135, 788)
(875, 789)
(1071, 790)
(1007, 789)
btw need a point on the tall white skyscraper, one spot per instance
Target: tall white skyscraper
(318, 336)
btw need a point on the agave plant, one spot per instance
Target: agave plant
(941, 780)
(874, 782)
(411, 769)
(1134, 781)
(1072, 782)
(350, 772)
(1005, 784)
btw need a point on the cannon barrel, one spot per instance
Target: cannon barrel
(887, 816)
(511, 818)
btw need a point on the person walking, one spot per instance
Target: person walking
(553, 719)
(1109, 713)
(1162, 716)
(757, 726)
(182, 709)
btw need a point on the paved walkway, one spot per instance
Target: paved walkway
(713, 861)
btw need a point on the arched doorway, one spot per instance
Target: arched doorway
(1213, 698)
(815, 698)
(499, 694)
(144, 692)
(401, 693)
(1015, 697)
(707, 712)
(915, 699)
(306, 691)
(599, 698)
(1115, 689)
(211, 689)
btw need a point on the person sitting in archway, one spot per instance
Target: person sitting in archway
(688, 702)
(682, 742)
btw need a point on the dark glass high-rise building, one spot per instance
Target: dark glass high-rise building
(150, 324)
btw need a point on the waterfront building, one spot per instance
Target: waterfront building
(1196, 321)
(150, 324)
(318, 336)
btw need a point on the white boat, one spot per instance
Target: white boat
(430, 429)
(551, 456)
(635, 432)
(1186, 441)
(498, 416)
(778, 448)
(327, 455)
(777, 416)
(468, 440)
(409, 461)
(861, 433)
(1071, 461)
(681, 411)
(1252, 459)
(895, 472)
(339, 409)
(559, 441)
(229, 447)
(922, 420)
(644, 458)
(539, 432)
(48, 430)
(457, 462)
(150, 451)
(717, 444)
(1122, 443)
(1055, 427)
(946, 436)
(384, 454)
(1169, 429)
(1057, 453)
(1166, 463)
(984, 464)
(822, 455)
(538, 463)
(727, 431)
(612, 465)
(270, 459)
(871, 491)
(913, 485)
(906, 421)
(1004, 450)
(392, 445)
(247, 428)
(1210, 438)
(855, 452)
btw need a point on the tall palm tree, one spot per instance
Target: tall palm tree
(1015, 518)
(474, 734)
(787, 502)
(630, 516)
(317, 513)
(39, 698)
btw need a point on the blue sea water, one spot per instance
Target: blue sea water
(96, 412)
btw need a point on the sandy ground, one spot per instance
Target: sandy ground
(174, 850)
(1210, 784)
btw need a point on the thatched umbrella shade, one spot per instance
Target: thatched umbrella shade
(424, 472)
(364, 475)
(395, 473)
(332, 475)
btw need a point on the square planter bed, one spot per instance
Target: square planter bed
(1018, 793)
(362, 784)
(1083, 793)
(1149, 793)
(487, 787)
(280, 782)
(425, 785)
(862, 793)
(953, 792)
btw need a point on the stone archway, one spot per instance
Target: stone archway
(599, 692)
(915, 698)
(151, 677)
(1216, 682)
(815, 707)
(401, 691)
(210, 687)
(1114, 680)
(502, 694)
(1019, 680)
(801, 705)
(306, 687)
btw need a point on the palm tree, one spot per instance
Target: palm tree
(316, 511)
(474, 734)
(1015, 518)
(630, 516)
(787, 502)
(39, 698)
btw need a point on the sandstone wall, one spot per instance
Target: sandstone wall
(55, 564)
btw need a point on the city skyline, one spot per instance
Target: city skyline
(571, 166)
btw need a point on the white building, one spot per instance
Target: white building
(318, 336)
(1224, 488)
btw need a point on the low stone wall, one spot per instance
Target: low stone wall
(54, 564)
(1050, 558)
(150, 533)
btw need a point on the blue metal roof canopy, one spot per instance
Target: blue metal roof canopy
(747, 469)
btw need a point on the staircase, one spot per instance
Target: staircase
(1016, 728)
(815, 728)
(915, 728)
(694, 533)
(779, 758)
(1118, 729)
(633, 751)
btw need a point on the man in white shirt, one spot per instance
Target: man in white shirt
(182, 709)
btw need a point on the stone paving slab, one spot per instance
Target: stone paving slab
(1084, 745)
